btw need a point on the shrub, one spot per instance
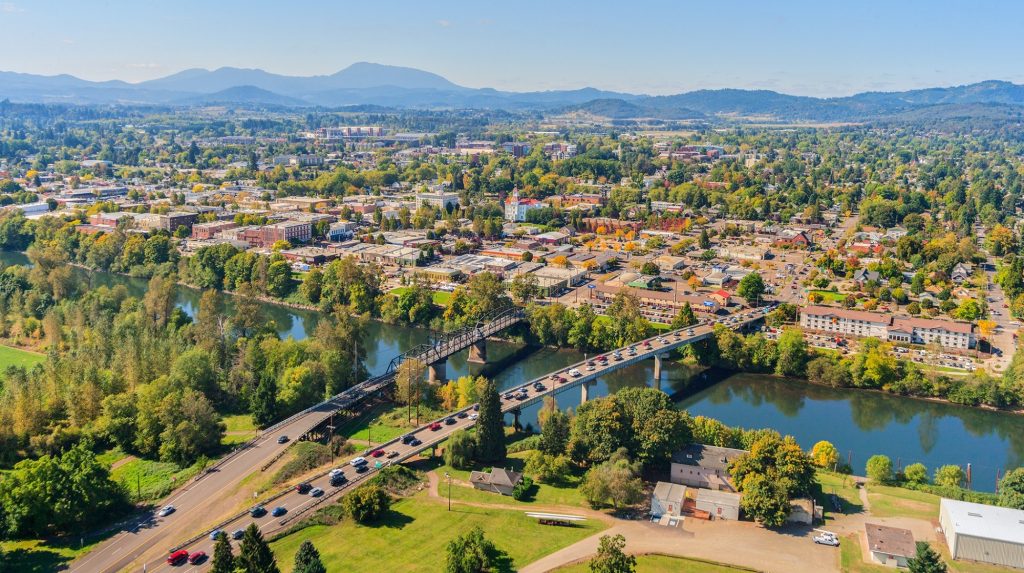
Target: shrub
(523, 490)
(916, 473)
(879, 469)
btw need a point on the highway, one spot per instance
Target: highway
(298, 504)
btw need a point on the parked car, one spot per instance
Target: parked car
(166, 510)
(827, 538)
(178, 557)
(278, 511)
(197, 557)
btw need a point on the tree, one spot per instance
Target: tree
(366, 503)
(460, 451)
(307, 559)
(1011, 489)
(879, 469)
(650, 268)
(470, 553)
(704, 241)
(926, 560)
(685, 318)
(916, 473)
(547, 468)
(312, 285)
(611, 558)
(598, 430)
(223, 559)
(263, 402)
(824, 454)
(279, 279)
(751, 287)
(524, 288)
(764, 499)
(613, 482)
(247, 315)
(254, 553)
(793, 353)
(949, 475)
(554, 433)
(490, 427)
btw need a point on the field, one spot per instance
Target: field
(10, 356)
(663, 564)
(888, 501)
(414, 535)
(841, 485)
(36, 556)
(240, 428)
(829, 296)
(851, 558)
(383, 424)
(543, 494)
(440, 298)
(149, 480)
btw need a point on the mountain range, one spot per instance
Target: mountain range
(400, 87)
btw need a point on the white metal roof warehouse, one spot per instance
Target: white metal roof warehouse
(984, 533)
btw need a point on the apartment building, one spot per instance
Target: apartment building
(948, 333)
(844, 321)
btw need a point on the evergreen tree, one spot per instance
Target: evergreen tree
(264, 403)
(307, 559)
(685, 317)
(704, 241)
(255, 555)
(926, 560)
(223, 560)
(490, 426)
(554, 433)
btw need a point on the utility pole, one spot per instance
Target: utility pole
(449, 476)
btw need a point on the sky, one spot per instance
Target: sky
(819, 48)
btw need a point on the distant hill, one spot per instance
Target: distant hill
(369, 84)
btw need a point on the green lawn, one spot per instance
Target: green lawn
(239, 428)
(828, 296)
(149, 480)
(384, 424)
(414, 535)
(663, 564)
(441, 298)
(544, 494)
(887, 501)
(841, 485)
(10, 356)
(37, 556)
(851, 559)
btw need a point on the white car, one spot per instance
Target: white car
(827, 538)
(474, 416)
(356, 462)
(166, 510)
(575, 373)
(334, 472)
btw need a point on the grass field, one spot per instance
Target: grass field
(829, 296)
(543, 494)
(663, 564)
(10, 356)
(36, 556)
(414, 535)
(239, 428)
(889, 501)
(384, 424)
(441, 298)
(841, 485)
(851, 559)
(149, 480)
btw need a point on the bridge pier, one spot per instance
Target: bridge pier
(437, 372)
(585, 391)
(515, 419)
(478, 352)
(657, 370)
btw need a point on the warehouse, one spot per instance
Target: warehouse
(983, 533)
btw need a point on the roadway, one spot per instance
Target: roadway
(297, 504)
(147, 536)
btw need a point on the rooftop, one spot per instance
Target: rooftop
(985, 521)
(712, 457)
(890, 540)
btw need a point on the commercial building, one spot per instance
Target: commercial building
(984, 533)
(891, 546)
(299, 231)
(845, 321)
(668, 499)
(703, 466)
(719, 504)
(439, 198)
(924, 330)
(212, 229)
(950, 334)
(516, 208)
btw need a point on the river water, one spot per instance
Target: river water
(860, 423)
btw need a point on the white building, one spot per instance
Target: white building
(923, 331)
(984, 533)
(438, 198)
(668, 499)
(516, 208)
(844, 321)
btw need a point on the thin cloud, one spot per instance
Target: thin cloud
(10, 8)
(144, 66)
(444, 23)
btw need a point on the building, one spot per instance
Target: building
(516, 208)
(984, 533)
(306, 203)
(845, 321)
(792, 238)
(703, 466)
(891, 546)
(719, 504)
(210, 230)
(440, 199)
(948, 333)
(290, 231)
(804, 510)
(499, 480)
(961, 272)
(668, 499)
(516, 148)
(341, 231)
(171, 221)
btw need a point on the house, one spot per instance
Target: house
(984, 533)
(891, 546)
(499, 480)
(719, 504)
(896, 233)
(721, 296)
(668, 499)
(792, 238)
(862, 276)
(703, 466)
(961, 272)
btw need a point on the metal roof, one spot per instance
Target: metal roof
(985, 521)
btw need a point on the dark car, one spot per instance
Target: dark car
(258, 511)
(237, 534)
(476, 407)
(338, 479)
(303, 488)
(449, 420)
(178, 557)
(408, 438)
(197, 557)
(278, 511)
(415, 442)
(282, 440)
(462, 414)
(362, 469)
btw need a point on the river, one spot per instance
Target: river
(860, 423)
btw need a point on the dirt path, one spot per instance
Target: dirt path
(122, 461)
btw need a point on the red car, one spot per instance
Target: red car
(178, 557)
(435, 426)
(377, 453)
(197, 557)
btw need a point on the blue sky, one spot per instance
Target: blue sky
(819, 47)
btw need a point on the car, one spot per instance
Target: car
(508, 395)
(258, 511)
(522, 396)
(363, 468)
(282, 440)
(332, 473)
(377, 453)
(415, 442)
(827, 538)
(691, 332)
(392, 454)
(237, 534)
(316, 492)
(476, 407)
(590, 367)
(435, 426)
(575, 373)
(408, 438)
(450, 420)
(462, 414)
(378, 465)
(165, 510)
(215, 533)
(197, 557)
(337, 480)
(357, 461)
(178, 557)
(278, 511)
(303, 488)
(540, 387)
(474, 416)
